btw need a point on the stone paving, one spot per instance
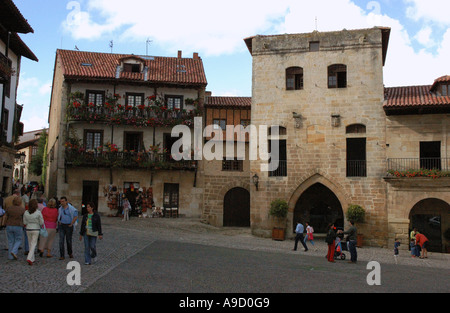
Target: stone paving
(123, 240)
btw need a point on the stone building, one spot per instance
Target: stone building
(12, 49)
(110, 124)
(342, 132)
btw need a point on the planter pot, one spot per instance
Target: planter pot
(359, 240)
(278, 233)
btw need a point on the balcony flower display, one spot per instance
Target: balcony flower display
(434, 173)
(154, 114)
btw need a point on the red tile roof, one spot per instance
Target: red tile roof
(95, 65)
(414, 97)
(12, 19)
(244, 102)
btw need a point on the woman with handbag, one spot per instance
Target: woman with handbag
(33, 221)
(90, 230)
(50, 215)
(309, 234)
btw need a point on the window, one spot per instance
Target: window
(430, 155)
(5, 120)
(95, 97)
(134, 99)
(281, 130)
(93, 139)
(220, 124)
(131, 68)
(232, 165)
(133, 141)
(245, 122)
(356, 157)
(314, 46)
(337, 76)
(445, 90)
(355, 129)
(171, 196)
(294, 78)
(281, 156)
(174, 102)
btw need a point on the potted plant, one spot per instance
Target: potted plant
(356, 213)
(279, 210)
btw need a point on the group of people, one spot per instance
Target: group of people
(35, 224)
(332, 233)
(418, 244)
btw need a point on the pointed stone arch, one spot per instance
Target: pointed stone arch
(317, 178)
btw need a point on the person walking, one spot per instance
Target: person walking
(352, 233)
(329, 239)
(50, 215)
(309, 234)
(33, 221)
(14, 226)
(67, 217)
(299, 236)
(90, 230)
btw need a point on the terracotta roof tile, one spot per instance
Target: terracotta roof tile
(94, 65)
(229, 101)
(414, 98)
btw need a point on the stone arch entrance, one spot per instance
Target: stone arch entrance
(236, 208)
(319, 206)
(432, 218)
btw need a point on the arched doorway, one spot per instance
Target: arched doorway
(431, 217)
(319, 206)
(236, 208)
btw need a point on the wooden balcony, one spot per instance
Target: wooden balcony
(143, 116)
(130, 160)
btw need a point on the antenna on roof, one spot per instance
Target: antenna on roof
(111, 45)
(316, 23)
(146, 45)
(76, 48)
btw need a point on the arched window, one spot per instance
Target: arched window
(355, 129)
(337, 76)
(294, 78)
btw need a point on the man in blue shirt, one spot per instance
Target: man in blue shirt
(67, 218)
(299, 231)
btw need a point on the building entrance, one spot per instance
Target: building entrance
(236, 208)
(318, 206)
(431, 217)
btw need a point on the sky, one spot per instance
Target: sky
(418, 51)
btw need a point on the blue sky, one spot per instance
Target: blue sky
(418, 52)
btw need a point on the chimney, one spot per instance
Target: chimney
(179, 54)
(196, 56)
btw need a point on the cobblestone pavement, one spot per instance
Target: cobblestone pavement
(123, 240)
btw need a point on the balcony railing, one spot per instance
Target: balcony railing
(419, 167)
(356, 168)
(136, 116)
(132, 160)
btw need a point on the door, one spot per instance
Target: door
(171, 195)
(356, 157)
(90, 194)
(430, 155)
(236, 208)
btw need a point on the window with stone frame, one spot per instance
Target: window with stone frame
(294, 78)
(337, 76)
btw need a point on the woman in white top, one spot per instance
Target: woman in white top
(309, 234)
(33, 221)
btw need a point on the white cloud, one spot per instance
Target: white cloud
(430, 10)
(34, 122)
(215, 28)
